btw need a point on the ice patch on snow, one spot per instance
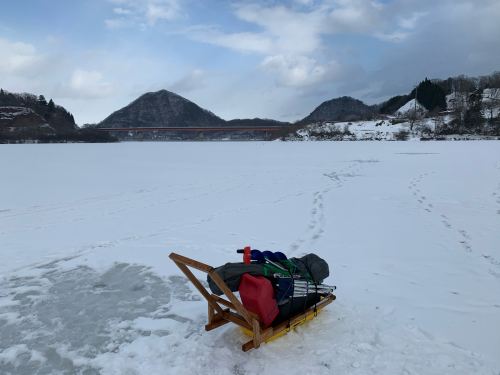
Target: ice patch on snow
(188, 309)
(78, 317)
(20, 353)
(148, 324)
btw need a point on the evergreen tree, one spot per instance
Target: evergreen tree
(473, 119)
(394, 103)
(430, 95)
(41, 100)
(51, 106)
(1, 92)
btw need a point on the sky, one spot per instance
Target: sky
(245, 59)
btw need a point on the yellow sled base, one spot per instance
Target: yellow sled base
(247, 320)
(292, 326)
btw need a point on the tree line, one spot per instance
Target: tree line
(473, 104)
(54, 125)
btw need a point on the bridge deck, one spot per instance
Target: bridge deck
(200, 129)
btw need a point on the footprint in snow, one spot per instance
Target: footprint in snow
(466, 246)
(446, 224)
(464, 234)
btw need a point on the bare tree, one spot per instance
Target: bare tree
(491, 103)
(423, 128)
(438, 119)
(413, 116)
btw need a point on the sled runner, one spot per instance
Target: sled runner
(235, 312)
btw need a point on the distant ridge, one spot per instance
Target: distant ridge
(340, 109)
(164, 108)
(161, 109)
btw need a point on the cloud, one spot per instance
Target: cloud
(304, 2)
(143, 11)
(122, 11)
(245, 42)
(394, 37)
(167, 10)
(118, 23)
(299, 31)
(21, 59)
(54, 40)
(85, 85)
(411, 22)
(301, 71)
(193, 81)
(457, 38)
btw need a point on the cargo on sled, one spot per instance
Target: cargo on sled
(277, 294)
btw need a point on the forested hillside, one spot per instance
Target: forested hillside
(27, 117)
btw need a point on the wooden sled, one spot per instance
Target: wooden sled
(235, 312)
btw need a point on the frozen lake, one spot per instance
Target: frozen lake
(411, 231)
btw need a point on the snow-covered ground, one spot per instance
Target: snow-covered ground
(360, 130)
(411, 106)
(410, 231)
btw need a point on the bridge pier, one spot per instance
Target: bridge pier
(140, 136)
(201, 136)
(266, 135)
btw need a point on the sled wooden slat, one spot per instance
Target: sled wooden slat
(256, 334)
(237, 304)
(217, 321)
(238, 319)
(218, 317)
(191, 263)
(198, 286)
(222, 301)
(211, 312)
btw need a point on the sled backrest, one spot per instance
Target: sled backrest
(243, 317)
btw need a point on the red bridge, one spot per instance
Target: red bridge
(204, 129)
